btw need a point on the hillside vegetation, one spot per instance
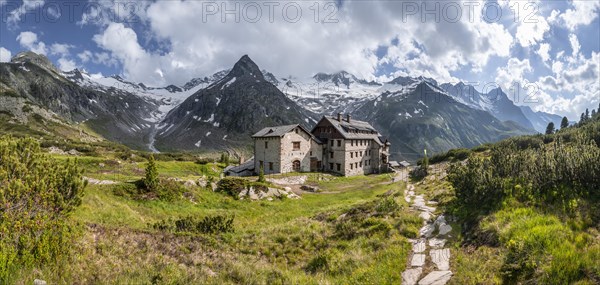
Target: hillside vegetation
(530, 209)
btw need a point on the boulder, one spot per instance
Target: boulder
(307, 188)
(426, 231)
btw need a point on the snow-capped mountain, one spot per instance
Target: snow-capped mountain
(168, 97)
(496, 102)
(229, 111)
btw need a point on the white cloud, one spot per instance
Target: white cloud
(544, 51)
(104, 12)
(574, 84)
(60, 49)
(85, 56)
(301, 48)
(5, 55)
(65, 64)
(15, 16)
(30, 41)
(122, 42)
(528, 34)
(575, 46)
(514, 71)
(583, 13)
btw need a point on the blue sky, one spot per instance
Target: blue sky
(549, 49)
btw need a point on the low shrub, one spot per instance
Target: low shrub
(233, 186)
(207, 225)
(37, 193)
(418, 173)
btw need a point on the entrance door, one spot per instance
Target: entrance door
(296, 165)
(314, 164)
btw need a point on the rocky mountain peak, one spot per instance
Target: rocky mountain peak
(246, 67)
(34, 58)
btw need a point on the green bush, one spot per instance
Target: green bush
(418, 173)
(557, 173)
(207, 225)
(36, 195)
(233, 186)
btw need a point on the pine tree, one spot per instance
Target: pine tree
(587, 114)
(151, 180)
(550, 128)
(593, 113)
(582, 119)
(564, 123)
(261, 175)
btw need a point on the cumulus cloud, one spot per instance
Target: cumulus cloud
(575, 75)
(30, 41)
(544, 51)
(104, 12)
(514, 71)
(60, 49)
(65, 64)
(28, 5)
(201, 43)
(582, 13)
(5, 55)
(575, 46)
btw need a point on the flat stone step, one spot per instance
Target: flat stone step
(425, 216)
(436, 278)
(419, 246)
(441, 258)
(418, 260)
(411, 276)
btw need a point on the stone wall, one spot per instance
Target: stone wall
(361, 158)
(289, 154)
(269, 153)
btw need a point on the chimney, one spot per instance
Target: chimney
(348, 118)
(339, 117)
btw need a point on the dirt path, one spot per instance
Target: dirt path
(428, 247)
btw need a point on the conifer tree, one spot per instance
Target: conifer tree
(587, 114)
(550, 128)
(151, 179)
(564, 123)
(261, 175)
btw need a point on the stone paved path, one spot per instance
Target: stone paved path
(427, 246)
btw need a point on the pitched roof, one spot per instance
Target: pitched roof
(280, 131)
(246, 166)
(277, 131)
(355, 129)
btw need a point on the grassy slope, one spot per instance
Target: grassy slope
(282, 241)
